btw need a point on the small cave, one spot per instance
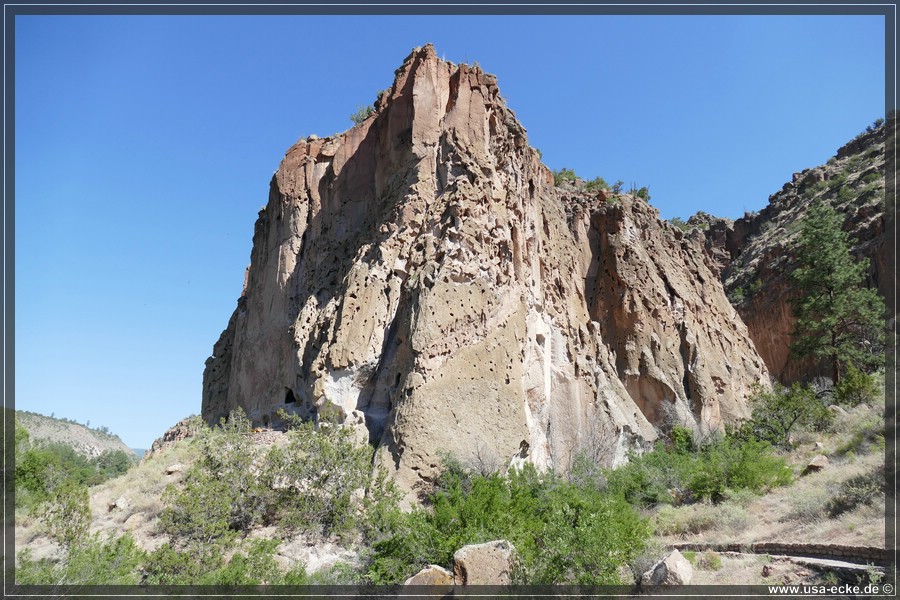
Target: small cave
(289, 397)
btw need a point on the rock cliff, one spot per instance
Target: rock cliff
(755, 254)
(420, 278)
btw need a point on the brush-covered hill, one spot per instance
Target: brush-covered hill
(86, 441)
(755, 254)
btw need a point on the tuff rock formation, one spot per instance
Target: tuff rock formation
(420, 278)
(755, 254)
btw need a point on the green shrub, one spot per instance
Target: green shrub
(736, 296)
(678, 472)
(562, 533)
(67, 515)
(736, 464)
(779, 412)
(596, 184)
(562, 175)
(219, 495)
(870, 178)
(680, 224)
(315, 477)
(845, 194)
(709, 561)
(855, 387)
(362, 113)
(93, 562)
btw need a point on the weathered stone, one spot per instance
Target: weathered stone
(176, 468)
(425, 272)
(431, 575)
(491, 563)
(674, 569)
(816, 464)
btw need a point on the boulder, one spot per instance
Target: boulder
(431, 575)
(816, 464)
(490, 563)
(176, 468)
(674, 569)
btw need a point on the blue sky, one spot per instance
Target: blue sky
(145, 144)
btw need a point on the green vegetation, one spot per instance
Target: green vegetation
(362, 113)
(42, 469)
(682, 471)
(838, 319)
(855, 387)
(857, 491)
(642, 193)
(680, 224)
(563, 175)
(596, 184)
(562, 532)
(780, 412)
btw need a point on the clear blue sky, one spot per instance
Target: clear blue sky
(145, 146)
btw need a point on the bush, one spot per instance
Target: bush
(680, 224)
(857, 491)
(780, 411)
(855, 387)
(562, 533)
(219, 494)
(316, 476)
(678, 472)
(596, 184)
(562, 175)
(93, 562)
(67, 515)
(362, 113)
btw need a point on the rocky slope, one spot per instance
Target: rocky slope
(754, 254)
(420, 278)
(87, 442)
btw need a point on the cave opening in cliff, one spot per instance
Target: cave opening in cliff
(289, 396)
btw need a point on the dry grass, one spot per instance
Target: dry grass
(141, 488)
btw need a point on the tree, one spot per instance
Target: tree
(838, 318)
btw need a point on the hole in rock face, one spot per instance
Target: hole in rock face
(266, 421)
(539, 338)
(289, 396)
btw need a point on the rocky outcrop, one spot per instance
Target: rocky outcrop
(419, 277)
(181, 430)
(755, 254)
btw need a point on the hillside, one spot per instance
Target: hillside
(754, 254)
(88, 442)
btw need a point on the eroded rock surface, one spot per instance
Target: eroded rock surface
(420, 278)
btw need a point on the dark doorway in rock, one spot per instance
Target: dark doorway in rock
(289, 396)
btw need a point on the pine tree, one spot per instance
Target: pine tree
(838, 318)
